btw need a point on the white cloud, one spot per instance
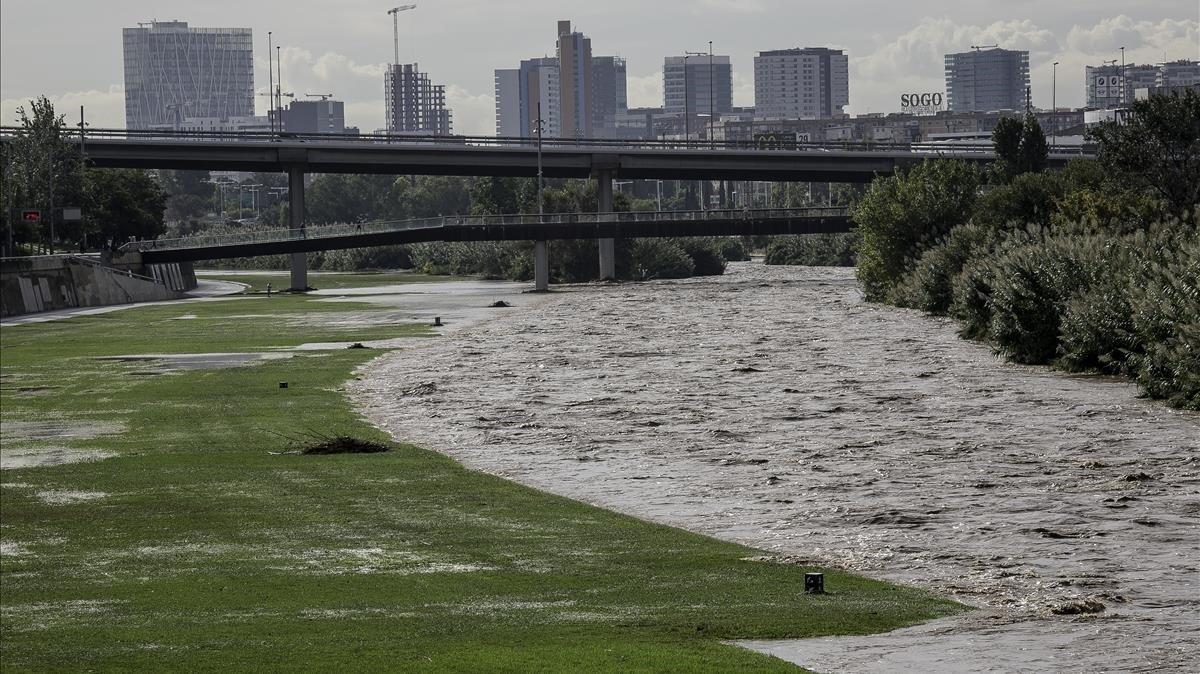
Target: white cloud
(474, 114)
(1109, 35)
(644, 91)
(912, 62)
(102, 109)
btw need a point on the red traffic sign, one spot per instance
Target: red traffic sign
(31, 215)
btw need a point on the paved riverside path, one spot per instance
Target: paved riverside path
(205, 290)
(773, 407)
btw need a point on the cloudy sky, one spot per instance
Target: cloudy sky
(71, 51)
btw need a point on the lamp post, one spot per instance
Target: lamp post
(1054, 104)
(687, 123)
(1124, 85)
(710, 94)
(270, 84)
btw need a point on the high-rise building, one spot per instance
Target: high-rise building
(690, 77)
(173, 72)
(808, 83)
(507, 87)
(323, 116)
(413, 104)
(1178, 74)
(609, 94)
(987, 79)
(522, 92)
(1112, 85)
(574, 82)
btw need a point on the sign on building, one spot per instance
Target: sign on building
(31, 216)
(779, 140)
(922, 104)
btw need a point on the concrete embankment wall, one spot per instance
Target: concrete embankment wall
(29, 285)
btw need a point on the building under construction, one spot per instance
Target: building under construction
(414, 104)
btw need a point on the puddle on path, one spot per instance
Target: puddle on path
(773, 407)
(162, 363)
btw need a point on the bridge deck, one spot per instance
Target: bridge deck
(491, 156)
(497, 228)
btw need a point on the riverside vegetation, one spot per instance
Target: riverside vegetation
(192, 540)
(1095, 268)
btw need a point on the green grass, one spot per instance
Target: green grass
(327, 280)
(209, 553)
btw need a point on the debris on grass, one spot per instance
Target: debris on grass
(344, 444)
(357, 345)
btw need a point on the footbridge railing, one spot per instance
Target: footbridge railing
(549, 220)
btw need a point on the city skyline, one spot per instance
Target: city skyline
(347, 53)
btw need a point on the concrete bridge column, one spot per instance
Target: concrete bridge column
(541, 266)
(296, 222)
(604, 195)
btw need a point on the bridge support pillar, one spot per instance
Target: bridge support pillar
(604, 196)
(541, 266)
(296, 224)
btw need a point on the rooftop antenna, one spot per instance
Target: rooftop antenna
(395, 12)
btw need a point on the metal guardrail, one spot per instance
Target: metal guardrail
(547, 220)
(529, 143)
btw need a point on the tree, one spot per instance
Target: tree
(902, 215)
(1033, 150)
(121, 204)
(1006, 139)
(44, 170)
(1157, 147)
(1020, 147)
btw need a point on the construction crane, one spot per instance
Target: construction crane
(395, 12)
(323, 97)
(986, 46)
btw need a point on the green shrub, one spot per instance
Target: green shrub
(659, 259)
(361, 259)
(814, 250)
(706, 255)
(903, 215)
(930, 285)
(732, 248)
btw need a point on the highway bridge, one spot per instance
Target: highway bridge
(601, 160)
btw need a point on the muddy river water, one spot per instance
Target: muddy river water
(774, 407)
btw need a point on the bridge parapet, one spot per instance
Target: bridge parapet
(339, 231)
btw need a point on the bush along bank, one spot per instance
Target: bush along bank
(1095, 268)
(574, 261)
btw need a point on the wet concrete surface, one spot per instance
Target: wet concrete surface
(774, 407)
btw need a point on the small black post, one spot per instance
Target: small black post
(814, 583)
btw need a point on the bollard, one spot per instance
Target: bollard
(814, 583)
(437, 321)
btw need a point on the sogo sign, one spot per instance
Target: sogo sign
(922, 104)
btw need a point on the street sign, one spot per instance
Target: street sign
(31, 216)
(72, 214)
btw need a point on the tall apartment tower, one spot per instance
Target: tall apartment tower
(519, 94)
(689, 77)
(413, 104)
(807, 83)
(173, 72)
(574, 82)
(610, 97)
(983, 80)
